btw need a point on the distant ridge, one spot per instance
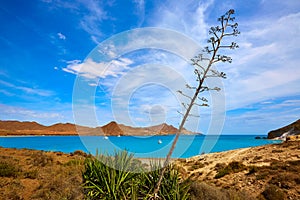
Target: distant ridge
(110, 129)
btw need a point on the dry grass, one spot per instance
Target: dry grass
(232, 167)
(29, 174)
(204, 191)
(254, 170)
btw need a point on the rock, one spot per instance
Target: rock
(282, 133)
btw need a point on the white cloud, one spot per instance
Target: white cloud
(91, 21)
(90, 13)
(268, 68)
(187, 17)
(265, 67)
(262, 118)
(92, 70)
(61, 36)
(19, 113)
(267, 58)
(28, 90)
(140, 11)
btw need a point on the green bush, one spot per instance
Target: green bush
(8, 170)
(31, 174)
(73, 162)
(171, 186)
(273, 192)
(231, 167)
(123, 177)
(41, 159)
(252, 170)
(204, 191)
(222, 172)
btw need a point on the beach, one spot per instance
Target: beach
(53, 175)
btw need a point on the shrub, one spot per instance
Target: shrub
(58, 183)
(171, 187)
(236, 166)
(73, 162)
(108, 178)
(231, 167)
(222, 172)
(41, 159)
(31, 174)
(262, 176)
(8, 170)
(123, 177)
(252, 170)
(203, 191)
(273, 192)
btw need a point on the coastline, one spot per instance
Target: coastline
(143, 147)
(43, 173)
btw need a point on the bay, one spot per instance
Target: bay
(140, 146)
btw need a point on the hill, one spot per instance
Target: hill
(289, 130)
(264, 172)
(110, 129)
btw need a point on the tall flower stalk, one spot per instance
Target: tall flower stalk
(227, 28)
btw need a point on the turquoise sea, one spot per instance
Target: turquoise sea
(145, 147)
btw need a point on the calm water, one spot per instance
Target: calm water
(154, 146)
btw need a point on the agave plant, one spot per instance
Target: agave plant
(172, 187)
(121, 177)
(109, 177)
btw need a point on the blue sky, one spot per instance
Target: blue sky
(48, 45)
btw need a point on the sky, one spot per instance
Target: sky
(91, 62)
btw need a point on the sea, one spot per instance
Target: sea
(139, 146)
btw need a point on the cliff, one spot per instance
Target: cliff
(289, 130)
(110, 129)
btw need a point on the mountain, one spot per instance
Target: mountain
(68, 127)
(289, 130)
(110, 129)
(16, 125)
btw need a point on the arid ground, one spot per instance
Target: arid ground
(265, 172)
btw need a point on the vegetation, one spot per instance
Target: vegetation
(8, 169)
(204, 191)
(203, 63)
(232, 167)
(123, 177)
(62, 177)
(273, 192)
(29, 174)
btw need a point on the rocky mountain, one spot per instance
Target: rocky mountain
(112, 128)
(289, 130)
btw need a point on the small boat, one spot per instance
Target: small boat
(105, 137)
(159, 141)
(119, 136)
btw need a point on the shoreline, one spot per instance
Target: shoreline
(183, 134)
(146, 158)
(77, 144)
(37, 172)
